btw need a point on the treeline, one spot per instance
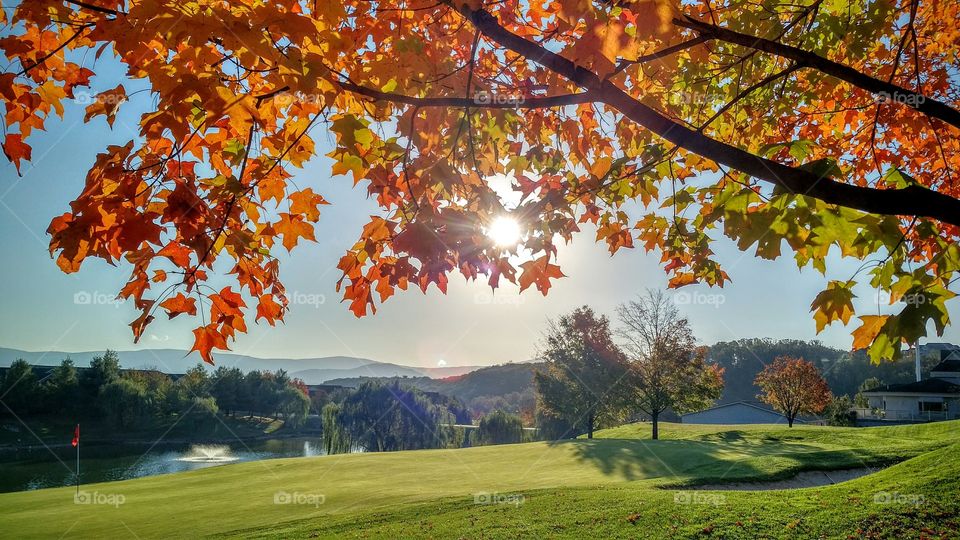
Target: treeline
(385, 417)
(845, 372)
(146, 398)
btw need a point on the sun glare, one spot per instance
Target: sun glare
(504, 231)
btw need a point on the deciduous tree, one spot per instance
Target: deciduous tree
(667, 368)
(794, 387)
(810, 127)
(584, 376)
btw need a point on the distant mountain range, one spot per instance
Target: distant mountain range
(311, 370)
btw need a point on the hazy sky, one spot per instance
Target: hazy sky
(44, 309)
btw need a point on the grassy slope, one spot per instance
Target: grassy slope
(604, 481)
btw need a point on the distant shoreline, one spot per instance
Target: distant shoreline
(10, 448)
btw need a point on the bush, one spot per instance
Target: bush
(840, 412)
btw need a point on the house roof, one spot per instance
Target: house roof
(926, 386)
(753, 404)
(952, 366)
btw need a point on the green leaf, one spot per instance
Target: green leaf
(390, 86)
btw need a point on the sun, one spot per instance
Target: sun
(504, 231)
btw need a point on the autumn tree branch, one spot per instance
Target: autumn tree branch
(913, 200)
(925, 104)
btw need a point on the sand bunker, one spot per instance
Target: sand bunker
(801, 480)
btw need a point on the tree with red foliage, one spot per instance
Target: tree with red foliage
(793, 386)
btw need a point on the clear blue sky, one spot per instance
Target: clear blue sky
(44, 309)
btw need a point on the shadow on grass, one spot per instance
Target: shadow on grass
(735, 459)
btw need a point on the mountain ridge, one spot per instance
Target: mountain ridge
(313, 370)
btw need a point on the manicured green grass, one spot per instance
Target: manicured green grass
(923, 494)
(573, 488)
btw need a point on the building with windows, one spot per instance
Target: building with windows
(925, 400)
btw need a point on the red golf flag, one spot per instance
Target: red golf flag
(76, 436)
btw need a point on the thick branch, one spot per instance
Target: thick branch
(913, 200)
(918, 101)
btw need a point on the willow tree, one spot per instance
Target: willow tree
(799, 126)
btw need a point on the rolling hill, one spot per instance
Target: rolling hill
(485, 381)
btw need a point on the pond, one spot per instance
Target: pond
(37, 468)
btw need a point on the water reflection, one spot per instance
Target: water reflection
(38, 468)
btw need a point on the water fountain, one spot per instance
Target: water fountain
(204, 453)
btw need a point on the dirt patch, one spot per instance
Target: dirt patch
(804, 479)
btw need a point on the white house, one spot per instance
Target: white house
(935, 398)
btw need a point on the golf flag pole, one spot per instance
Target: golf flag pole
(76, 442)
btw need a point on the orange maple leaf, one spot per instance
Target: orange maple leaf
(175, 305)
(539, 272)
(207, 338)
(15, 149)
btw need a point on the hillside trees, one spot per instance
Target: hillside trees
(799, 128)
(794, 387)
(667, 368)
(583, 378)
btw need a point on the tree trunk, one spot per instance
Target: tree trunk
(656, 426)
(790, 421)
(590, 426)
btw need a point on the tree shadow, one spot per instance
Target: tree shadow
(731, 458)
